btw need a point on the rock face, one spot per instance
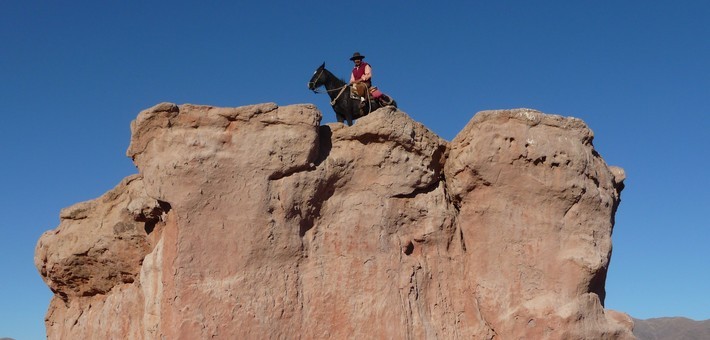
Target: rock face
(257, 222)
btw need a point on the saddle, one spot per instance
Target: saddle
(358, 91)
(373, 95)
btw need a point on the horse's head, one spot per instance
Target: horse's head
(318, 78)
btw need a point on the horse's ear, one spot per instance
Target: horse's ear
(322, 66)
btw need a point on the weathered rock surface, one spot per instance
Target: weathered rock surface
(257, 222)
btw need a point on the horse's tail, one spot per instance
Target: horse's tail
(386, 100)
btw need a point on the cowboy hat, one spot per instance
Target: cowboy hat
(357, 55)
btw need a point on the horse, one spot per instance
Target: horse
(345, 107)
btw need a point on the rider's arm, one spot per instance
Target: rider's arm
(368, 74)
(352, 78)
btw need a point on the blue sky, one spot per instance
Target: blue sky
(73, 74)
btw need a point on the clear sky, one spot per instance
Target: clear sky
(73, 74)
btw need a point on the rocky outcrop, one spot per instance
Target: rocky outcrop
(257, 222)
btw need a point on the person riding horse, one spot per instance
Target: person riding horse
(361, 77)
(345, 102)
(361, 81)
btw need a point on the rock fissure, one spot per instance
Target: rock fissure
(429, 188)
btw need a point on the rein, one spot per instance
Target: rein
(332, 102)
(341, 89)
(333, 90)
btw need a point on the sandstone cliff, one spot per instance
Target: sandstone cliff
(257, 222)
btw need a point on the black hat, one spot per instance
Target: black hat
(356, 56)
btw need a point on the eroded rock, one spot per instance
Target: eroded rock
(257, 222)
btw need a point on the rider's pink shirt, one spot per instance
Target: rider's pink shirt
(364, 71)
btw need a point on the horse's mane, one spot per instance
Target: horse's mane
(336, 77)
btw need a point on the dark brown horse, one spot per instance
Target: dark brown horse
(345, 107)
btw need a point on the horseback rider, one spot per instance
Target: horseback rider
(345, 104)
(361, 76)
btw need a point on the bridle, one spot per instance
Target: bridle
(315, 89)
(313, 83)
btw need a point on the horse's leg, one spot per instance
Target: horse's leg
(351, 114)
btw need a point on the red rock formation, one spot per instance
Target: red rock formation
(256, 222)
